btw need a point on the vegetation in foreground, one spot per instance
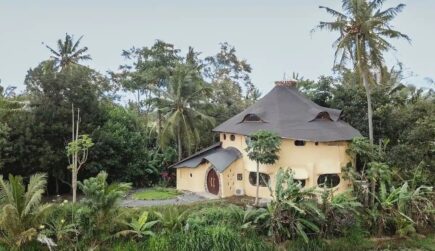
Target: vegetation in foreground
(390, 206)
(297, 219)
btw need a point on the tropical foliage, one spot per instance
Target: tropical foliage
(263, 148)
(364, 29)
(175, 100)
(22, 211)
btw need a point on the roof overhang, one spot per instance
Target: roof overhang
(220, 158)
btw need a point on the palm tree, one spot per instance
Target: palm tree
(21, 210)
(180, 104)
(363, 32)
(68, 52)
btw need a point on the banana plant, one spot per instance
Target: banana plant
(139, 228)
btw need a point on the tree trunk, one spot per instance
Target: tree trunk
(138, 102)
(74, 185)
(363, 70)
(258, 184)
(373, 190)
(180, 150)
(57, 185)
(369, 106)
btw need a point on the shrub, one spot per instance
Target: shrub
(100, 217)
(213, 238)
(21, 209)
(341, 213)
(294, 212)
(229, 215)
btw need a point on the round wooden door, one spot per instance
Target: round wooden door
(212, 182)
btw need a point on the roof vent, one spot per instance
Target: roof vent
(286, 83)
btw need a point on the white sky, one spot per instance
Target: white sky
(274, 36)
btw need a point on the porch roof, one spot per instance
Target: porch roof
(221, 158)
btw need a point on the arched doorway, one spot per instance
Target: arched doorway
(212, 182)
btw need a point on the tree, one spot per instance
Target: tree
(21, 209)
(150, 67)
(263, 148)
(124, 140)
(43, 128)
(229, 76)
(180, 105)
(364, 29)
(77, 151)
(68, 52)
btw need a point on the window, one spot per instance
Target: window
(239, 176)
(247, 140)
(225, 136)
(328, 180)
(299, 143)
(251, 118)
(232, 137)
(323, 116)
(317, 143)
(264, 179)
(302, 182)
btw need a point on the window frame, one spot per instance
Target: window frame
(252, 178)
(324, 184)
(299, 142)
(252, 115)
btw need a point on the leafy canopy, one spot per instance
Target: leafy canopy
(263, 147)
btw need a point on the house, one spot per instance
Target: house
(313, 146)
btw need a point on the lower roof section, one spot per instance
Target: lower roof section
(219, 157)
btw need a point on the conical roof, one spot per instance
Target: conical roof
(285, 111)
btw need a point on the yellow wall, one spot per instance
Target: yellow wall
(192, 179)
(322, 158)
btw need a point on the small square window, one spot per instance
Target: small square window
(299, 143)
(239, 176)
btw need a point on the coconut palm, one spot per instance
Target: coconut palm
(180, 105)
(363, 32)
(68, 52)
(21, 210)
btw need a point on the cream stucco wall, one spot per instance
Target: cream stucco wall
(192, 179)
(313, 159)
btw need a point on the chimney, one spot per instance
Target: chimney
(286, 83)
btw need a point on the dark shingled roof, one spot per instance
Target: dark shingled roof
(220, 158)
(285, 111)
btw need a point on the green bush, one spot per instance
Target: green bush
(229, 215)
(213, 238)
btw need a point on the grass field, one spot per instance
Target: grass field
(156, 193)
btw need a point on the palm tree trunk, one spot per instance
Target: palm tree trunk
(369, 106)
(258, 184)
(363, 70)
(180, 150)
